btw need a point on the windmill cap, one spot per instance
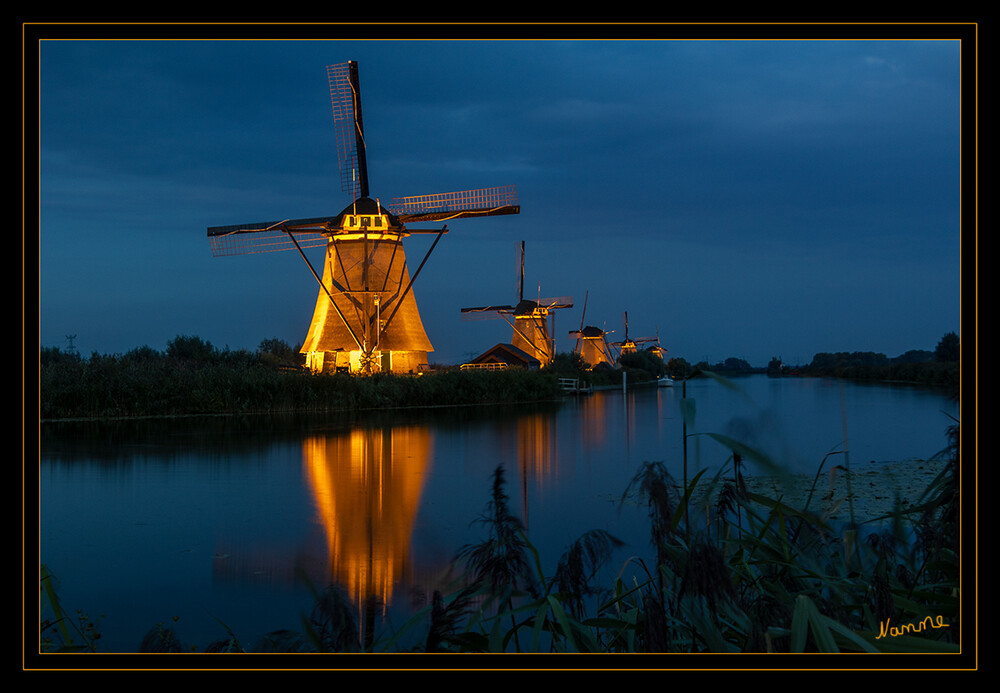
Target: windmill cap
(366, 205)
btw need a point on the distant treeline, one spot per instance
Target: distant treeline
(939, 367)
(193, 377)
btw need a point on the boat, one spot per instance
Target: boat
(665, 381)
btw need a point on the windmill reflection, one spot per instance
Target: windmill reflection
(367, 485)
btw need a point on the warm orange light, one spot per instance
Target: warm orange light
(367, 486)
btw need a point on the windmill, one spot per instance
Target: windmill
(591, 342)
(529, 319)
(366, 318)
(630, 346)
(657, 349)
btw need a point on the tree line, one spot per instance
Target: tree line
(193, 376)
(939, 367)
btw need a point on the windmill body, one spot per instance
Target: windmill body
(367, 277)
(531, 328)
(592, 346)
(592, 342)
(366, 318)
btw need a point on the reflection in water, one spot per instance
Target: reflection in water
(593, 427)
(134, 515)
(537, 454)
(367, 486)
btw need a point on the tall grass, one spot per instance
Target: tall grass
(729, 571)
(782, 580)
(154, 384)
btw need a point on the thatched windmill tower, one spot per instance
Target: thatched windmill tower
(366, 318)
(592, 342)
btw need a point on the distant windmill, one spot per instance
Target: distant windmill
(529, 319)
(591, 342)
(629, 345)
(657, 348)
(366, 318)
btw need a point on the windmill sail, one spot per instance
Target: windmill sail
(345, 99)
(270, 236)
(457, 205)
(366, 318)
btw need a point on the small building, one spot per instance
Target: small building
(504, 356)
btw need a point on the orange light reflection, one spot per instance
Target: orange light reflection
(367, 486)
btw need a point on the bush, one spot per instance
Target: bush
(644, 365)
(189, 348)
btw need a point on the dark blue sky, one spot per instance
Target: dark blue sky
(748, 198)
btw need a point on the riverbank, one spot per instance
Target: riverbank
(122, 387)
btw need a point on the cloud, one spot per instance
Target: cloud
(694, 183)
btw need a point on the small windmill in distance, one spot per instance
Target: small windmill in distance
(592, 342)
(528, 318)
(629, 345)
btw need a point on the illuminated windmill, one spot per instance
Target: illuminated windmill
(629, 345)
(529, 318)
(366, 318)
(592, 342)
(657, 349)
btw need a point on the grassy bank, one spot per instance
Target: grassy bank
(154, 384)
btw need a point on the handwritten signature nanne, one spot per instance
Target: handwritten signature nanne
(885, 630)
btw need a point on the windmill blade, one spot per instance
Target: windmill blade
(554, 303)
(520, 275)
(582, 316)
(345, 98)
(486, 312)
(269, 236)
(483, 202)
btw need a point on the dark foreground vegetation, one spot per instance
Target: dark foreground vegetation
(758, 576)
(193, 377)
(730, 571)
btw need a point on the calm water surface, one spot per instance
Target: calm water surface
(221, 522)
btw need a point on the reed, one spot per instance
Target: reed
(147, 383)
(748, 572)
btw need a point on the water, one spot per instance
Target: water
(214, 524)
